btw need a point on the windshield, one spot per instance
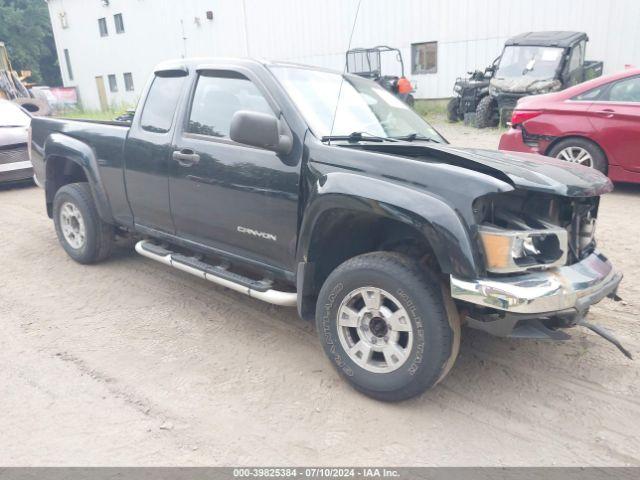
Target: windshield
(364, 106)
(12, 116)
(529, 61)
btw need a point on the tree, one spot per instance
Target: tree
(26, 31)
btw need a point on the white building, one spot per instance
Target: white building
(107, 48)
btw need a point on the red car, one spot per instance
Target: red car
(596, 123)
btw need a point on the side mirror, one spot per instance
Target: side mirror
(259, 130)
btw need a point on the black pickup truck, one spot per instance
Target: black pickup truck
(304, 187)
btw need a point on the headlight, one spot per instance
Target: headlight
(508, 251)
(457, 88)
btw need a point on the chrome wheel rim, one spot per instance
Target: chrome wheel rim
(576, 155)
(375, 330)
(72, 225)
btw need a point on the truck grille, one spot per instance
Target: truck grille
(14, 153)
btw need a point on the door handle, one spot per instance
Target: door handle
(607, 112)
(186, 157)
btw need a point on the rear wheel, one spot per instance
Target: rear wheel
(453, 107)
(81, 231)
(487, 113)
(385, 326)
(580, 151)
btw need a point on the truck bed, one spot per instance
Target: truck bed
(106, 138)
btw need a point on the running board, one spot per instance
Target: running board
(219, 274)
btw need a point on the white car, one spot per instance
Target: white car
(15, 149)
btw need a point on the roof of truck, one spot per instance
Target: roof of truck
(548, 39)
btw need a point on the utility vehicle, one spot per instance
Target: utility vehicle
(531, 64)
(368, 63)
(469, 92)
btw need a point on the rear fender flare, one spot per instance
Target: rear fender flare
(59, 145)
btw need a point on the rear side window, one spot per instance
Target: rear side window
(627, 90)
(592, 94)
(162, 100)
(218, 97)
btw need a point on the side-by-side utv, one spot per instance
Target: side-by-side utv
(367, 63)
(531, 64)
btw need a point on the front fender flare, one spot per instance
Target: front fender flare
(59, 145)
(441, 225)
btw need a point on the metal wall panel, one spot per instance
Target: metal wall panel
(470, 33)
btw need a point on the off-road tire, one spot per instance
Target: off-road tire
(598, 158)
(486, 115)
(452, 110)
(99, 236)
(436, 335)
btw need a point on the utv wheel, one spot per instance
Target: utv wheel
(384, 326)
(81, 231)
(411, 101)
(581, 151)
(452, 110)
(486, 113)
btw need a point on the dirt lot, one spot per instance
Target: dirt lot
(131, 363)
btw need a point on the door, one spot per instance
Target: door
(616, 119)
(148, 150)
(575, 66)
(239, 199)
(102, 93)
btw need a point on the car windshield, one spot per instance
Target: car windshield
(363, 105)
(529, 61)
(12, 116)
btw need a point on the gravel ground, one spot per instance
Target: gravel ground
(131, 363)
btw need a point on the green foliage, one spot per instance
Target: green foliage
(26, 31)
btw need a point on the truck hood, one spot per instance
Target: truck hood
(525, 85)
(521, 170)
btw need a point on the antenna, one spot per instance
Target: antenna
(353, 29)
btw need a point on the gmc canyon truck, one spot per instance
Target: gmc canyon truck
(309, 188)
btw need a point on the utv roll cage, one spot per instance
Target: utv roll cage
(366, 62)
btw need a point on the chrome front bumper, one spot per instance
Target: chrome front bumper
(570, 287)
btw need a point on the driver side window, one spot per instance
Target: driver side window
(218, 97)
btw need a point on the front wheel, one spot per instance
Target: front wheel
(487, 113)
(385, 326)
(453, 107)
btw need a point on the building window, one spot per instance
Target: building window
(113, 83)
(424, 57)
(117, 19)
(67, 60)
(128, 82)
(102, 25)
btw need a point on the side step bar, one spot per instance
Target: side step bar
(260, 289)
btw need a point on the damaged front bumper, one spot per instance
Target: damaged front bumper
(576, 287)
(537, 304)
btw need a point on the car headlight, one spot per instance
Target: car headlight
(508, 251)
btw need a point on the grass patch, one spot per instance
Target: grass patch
(431, 108)
(83, 114)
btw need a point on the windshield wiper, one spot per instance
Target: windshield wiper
(356, 137)
(415, 136)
